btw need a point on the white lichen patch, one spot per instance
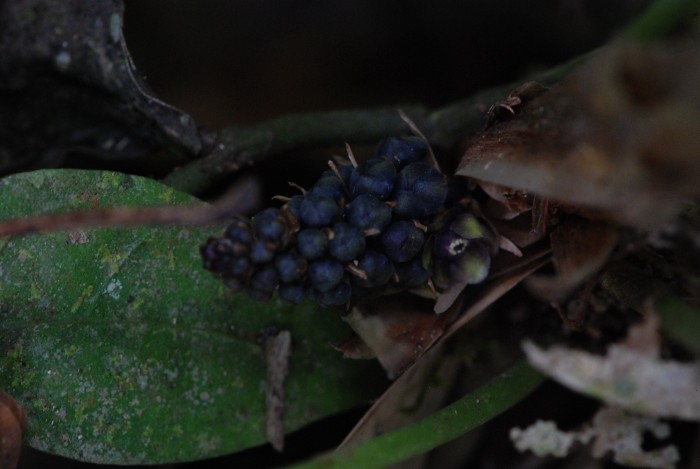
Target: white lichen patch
(612, 429)
(626, 378)
(622, 433)
(543, 438)
(113, 288)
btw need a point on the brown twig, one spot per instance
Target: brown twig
(239, 199)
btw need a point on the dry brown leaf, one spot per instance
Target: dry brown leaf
(417, 393)
(619, 135)
(13, 422)
(580, 248)
(277, 350)
(510, 202)
(398, 335)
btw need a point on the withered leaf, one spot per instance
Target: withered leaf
(580, 247)
(277, 350)
(13, 422)
(619, 135)
(398, 334)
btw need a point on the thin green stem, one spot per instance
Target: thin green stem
(660, 19)
(238, 147)
(455, 420)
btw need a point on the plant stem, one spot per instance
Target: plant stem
(451, 422)
(660, 19)
(237, 147)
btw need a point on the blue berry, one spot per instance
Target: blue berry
(420, 191)
(329, 186)
(374, 176)
(269, 225)
(290, 267)
(239, 231)
(347, 242)
(339, 295)
(233, 248)
(345, 171)
(312, 243)
(294, 204)
(368, 212)
(411, 274)
(239, 267)
(318, 210)
(261, 252)
(402, 241)
(325, 274)
(219, 255)
(293, 293)
(264, 279)
(210, 252)
(377, 267)
(402, 151)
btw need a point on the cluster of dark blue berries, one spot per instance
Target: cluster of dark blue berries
(362, 230)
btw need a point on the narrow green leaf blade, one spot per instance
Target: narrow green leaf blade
(472, 410)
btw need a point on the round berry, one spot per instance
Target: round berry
(368, 212)
(325, 274)
(239, 267)
(402, 240)
(448, 244)
(290, 267)
(239, 231)
(329, 186)
(377, 268)
(269, 225)
(318, 210)
(420, 191)
(214, 259)
(472, 266)
(264, 279)
(347, 242)
(411, 274)
(345, 171)
(468, 226)
(292, 293)
(374, 176)
(402, 151)
(339, 295)
(312, 243)
(261, 252)
(210, 251)
(294, 204)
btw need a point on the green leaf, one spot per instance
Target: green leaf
(474, 409)
(123, 350)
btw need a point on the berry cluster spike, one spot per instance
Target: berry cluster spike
(379, 227)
